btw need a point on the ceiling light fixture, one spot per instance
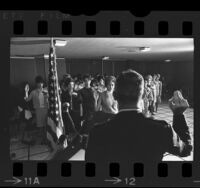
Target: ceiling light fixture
(60, 42)
(106, 58)
(168, 60)
(144, 49)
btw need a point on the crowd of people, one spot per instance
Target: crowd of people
(92, 100)
(84, 96)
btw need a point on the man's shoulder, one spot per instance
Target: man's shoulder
(102, 129)
(115, 122)
(157, 123)
(101, 126)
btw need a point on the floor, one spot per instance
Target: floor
(19, 151)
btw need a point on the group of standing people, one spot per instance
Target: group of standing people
(129, 97)
(152, 94)
(95, 95)
(82, 101)
(79, 101)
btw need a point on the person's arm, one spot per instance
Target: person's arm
(80, 99)
(81, 110)
(179, 140)
(154, 93)
(115, 107)
(96, 97)
(181, 128)
(28, 97)
(99, 107)
(160, 89)
(178, 143)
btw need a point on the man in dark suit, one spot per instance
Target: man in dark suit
(130, 136)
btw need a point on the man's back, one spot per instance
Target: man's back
(129, 136)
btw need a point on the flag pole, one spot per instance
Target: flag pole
(52, 44)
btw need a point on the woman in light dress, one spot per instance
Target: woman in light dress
(39, 96)
(106, 101)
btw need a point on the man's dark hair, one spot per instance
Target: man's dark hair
(93, 82)
(109, 79)
(66, 76)
(158, 75)
(100, 77)
(68, 80)
(39, 79)
(86, 76)
(129, 87)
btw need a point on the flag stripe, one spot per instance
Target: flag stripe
(53, 134)
(51, 140)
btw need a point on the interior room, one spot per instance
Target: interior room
(172, 58)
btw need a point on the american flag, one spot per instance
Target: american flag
(55, 126)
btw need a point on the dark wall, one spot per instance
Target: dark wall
(176, 74)
(85, 66)
(22, 70)
(25, 70)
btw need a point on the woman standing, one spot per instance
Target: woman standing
(150, 89)
(106, 101)
(145, 98)
(39, 96)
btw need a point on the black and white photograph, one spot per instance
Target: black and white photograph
(101, 99)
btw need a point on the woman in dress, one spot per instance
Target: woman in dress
(106, 101)
(145, 99)
(150, 89)
(39, 96)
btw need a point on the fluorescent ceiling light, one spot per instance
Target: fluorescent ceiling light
(168, 60)
(105, 58)
(60, 42)
(144, 49)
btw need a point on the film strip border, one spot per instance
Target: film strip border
(81, 174)
(106, 24)
(138, 169)
(114, 28)
(103, 24)
(163, 28)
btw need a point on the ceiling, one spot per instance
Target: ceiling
(175, 49)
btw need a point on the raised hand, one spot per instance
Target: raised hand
(177, 103)
(26, 88)
(75, 94)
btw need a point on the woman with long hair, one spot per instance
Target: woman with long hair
(106, 101)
